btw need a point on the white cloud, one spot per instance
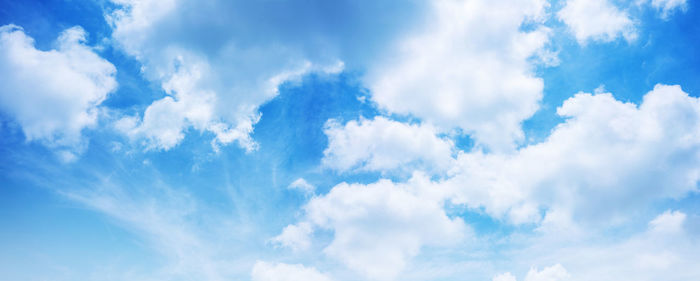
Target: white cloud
(469, 68)
(301, 185)
(213, 85)
(264, 271)
(504, 277)
(606, 159)
(668, 7)
(379, 227)
(219, 68)
(597, 20)
(383, 145)
(552, 273)
(53, 94)
(164, 121)
(169, 221)
(295, 236)
(668, 223)
(646, 256)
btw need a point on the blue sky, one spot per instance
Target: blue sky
(341, 140)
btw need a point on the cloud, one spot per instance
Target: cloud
(552, 273)
(53, 94)
(378, 227)
(606, 160)
(668, 7)
(469, 68)
(213, 85)
(383, 145)
(504, 277)
(219, 62)
(164, 121)
(264, 271)
(171, 222)
(303, 186)
(646, 256)
(295, 236)
(597, 20)
(668, 223)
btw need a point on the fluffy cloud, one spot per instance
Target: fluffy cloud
(667, 250)
(301, 185)
(607, 159)
(187, 105)
(469, 68)
(213, 85)
(264, 271)
(504, 277)
(596, 20)
(552, 273)
(667, 7)
(53, 94)
(382, 144)
(668, 223)
(378, 227)
(295, 236)
(219, 61)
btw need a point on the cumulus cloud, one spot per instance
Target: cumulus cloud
(667, 7)
(53, 94)
(650, 255)
(504, 277)
(186, 105)
(218, 69)
(301, 185)
(668, 223)
(607, 159)
(265, 271)
(212, 85)
(597, 20)
(378, 227)
(470, 69)
(381, 144)
(295, 236)
(552, 273)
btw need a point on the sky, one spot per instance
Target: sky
(286, 140)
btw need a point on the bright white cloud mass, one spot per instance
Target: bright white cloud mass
(597, 20)
(667, 7)
(469, 68)
(606, 160)
(53, 94)
(531, 140)
(384, 145)
(263, 271)
(378, 227)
